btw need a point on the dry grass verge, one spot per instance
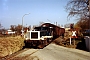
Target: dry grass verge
(66, 42)
(9, 45)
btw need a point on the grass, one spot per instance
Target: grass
(9, 45)
(66, 42)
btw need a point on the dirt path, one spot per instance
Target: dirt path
(51, 52)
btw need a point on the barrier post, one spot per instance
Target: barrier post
(74, 42)
(70, 40)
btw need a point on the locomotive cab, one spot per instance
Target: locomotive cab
(39, 33)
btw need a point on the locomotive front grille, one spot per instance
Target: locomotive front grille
(34, 35)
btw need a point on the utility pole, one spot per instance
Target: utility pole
(22, 23)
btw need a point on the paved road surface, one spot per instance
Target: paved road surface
(52, 52)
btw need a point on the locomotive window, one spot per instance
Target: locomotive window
(44, 28)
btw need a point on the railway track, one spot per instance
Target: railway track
(20, 55)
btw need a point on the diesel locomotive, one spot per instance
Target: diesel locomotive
(41, 36)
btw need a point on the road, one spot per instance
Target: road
(51, 52)
(55, 52)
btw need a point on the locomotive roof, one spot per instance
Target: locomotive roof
(50, 25)
(40, 27)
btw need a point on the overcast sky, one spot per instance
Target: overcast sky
(12, 11)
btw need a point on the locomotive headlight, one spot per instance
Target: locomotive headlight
(43, 38)
(44, 25)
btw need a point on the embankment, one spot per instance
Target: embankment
(9, 45)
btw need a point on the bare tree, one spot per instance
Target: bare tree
(83, 24)
(78, 8)
(12, 27)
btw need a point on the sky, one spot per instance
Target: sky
(32, 12)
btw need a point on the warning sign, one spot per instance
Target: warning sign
(73, 34)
